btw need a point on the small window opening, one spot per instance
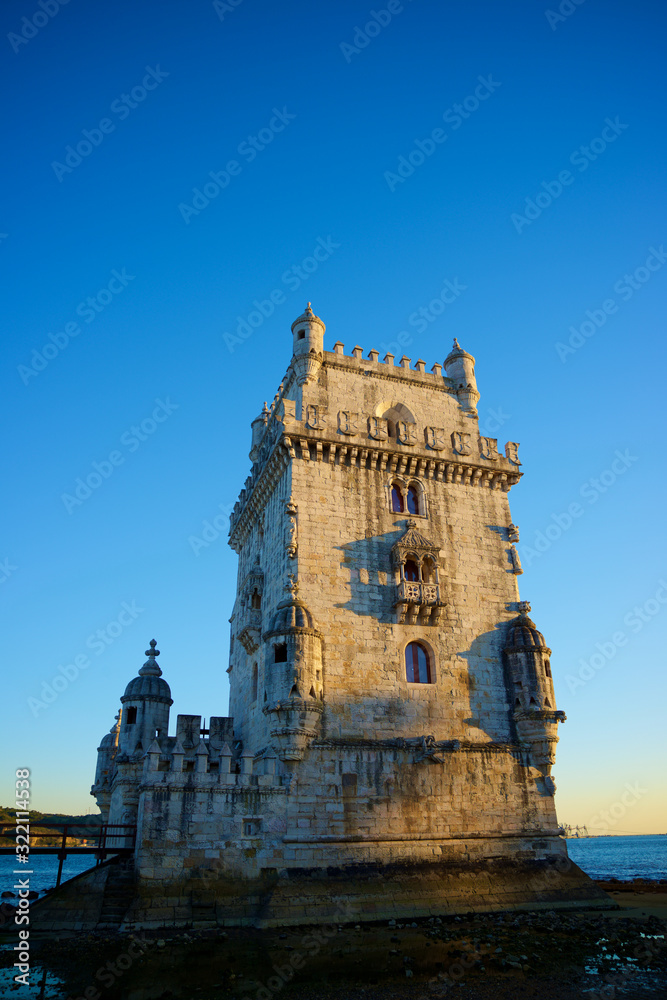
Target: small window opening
(251, 827)
(256, 600)
(533, 702)
(254, 683)
(188, 765)
(413, 500)
(131, 717)
(411, 571)
(301, 335)
(547, 668)
(280, 652)
(517, 703)
(547, 703)
(266, 697)
(312, 693)
(397, 504)
(417, 664)
(294, 693)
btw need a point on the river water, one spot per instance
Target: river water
(624, 858)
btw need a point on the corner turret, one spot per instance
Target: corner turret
(532, 689)
(295, 694)
(460, 368)
(146, 705)
(308, 345)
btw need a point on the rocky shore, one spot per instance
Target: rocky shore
(619, 953)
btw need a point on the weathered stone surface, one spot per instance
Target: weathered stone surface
(375, 516)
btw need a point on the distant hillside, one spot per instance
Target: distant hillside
(39, 821)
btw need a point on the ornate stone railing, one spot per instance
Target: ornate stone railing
(418, 593)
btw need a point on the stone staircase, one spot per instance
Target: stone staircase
(118, 893)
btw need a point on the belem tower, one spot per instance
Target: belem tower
(392, 723)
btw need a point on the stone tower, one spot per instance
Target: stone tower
(392, 721)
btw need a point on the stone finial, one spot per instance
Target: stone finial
(457, 346)
(150, 667)
(524, 607)
(292, 587)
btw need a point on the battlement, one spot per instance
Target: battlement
(388, 366)
(169, 763)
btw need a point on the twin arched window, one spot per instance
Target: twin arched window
(418, 664)
(402, 502)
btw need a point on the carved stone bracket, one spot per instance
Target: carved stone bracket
(291, 532)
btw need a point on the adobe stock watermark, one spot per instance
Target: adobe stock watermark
(310, 946)
(454, 116)
(292, 278)
(223, 7)
(7, 569)
(211, 529)
(581, 158)
(592, 490)
(130, 439)
(248, 149)
(492, 421)
(112, 971)
(565, 9)
(422, 317)
(97, 642)
(625, 287)
(88, 310)
(634, 620)
(608, 818)
(378, 19)
(31, 26)
(121, 107)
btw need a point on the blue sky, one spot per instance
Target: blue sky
(542, 196)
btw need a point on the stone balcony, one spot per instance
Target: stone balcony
(416, 600)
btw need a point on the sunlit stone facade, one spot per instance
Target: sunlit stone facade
(392, 720)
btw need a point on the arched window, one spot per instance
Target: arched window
(413, 500)
(411, 571)
(280, 652)
(397, 504)
(417, 664)
(256, 600)
(131, 717)
(428, 571)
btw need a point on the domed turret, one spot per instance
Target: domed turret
(460, 368)
(295, 693)
(106, 754)
(532, 689)
(146, 705)
(308, 345)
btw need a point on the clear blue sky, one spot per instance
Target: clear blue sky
(318, 117)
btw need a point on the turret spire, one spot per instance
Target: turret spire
(150, 667)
